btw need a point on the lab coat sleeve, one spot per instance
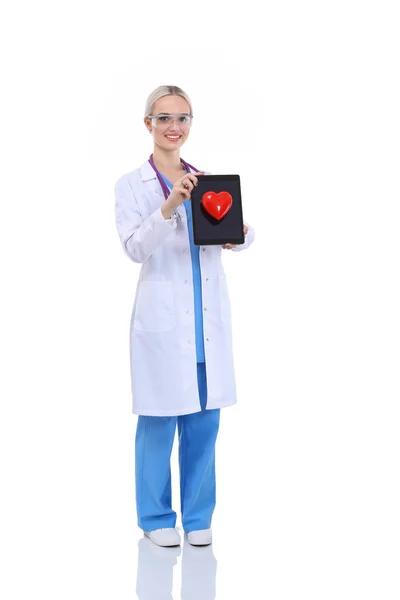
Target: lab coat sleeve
(248, 239)
(139, 236)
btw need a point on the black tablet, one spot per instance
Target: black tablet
(217, 210)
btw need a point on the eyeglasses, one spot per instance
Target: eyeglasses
(164, 120)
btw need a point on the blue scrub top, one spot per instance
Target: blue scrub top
(198, 303)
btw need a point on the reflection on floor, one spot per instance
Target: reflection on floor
(155, 572)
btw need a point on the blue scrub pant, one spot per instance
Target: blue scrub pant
(153, 446)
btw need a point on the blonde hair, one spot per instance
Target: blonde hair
(165, 90)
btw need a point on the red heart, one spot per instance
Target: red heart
(217, 205)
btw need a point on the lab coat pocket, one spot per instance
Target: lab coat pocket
(154, 307)
(224, 300)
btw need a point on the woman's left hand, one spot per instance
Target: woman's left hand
(230, 246)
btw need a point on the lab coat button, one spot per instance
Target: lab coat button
(189, 342)
(204, 249)
(186, 280)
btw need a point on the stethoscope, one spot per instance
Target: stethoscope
(164, 186)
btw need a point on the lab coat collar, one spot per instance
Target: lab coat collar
(147, 172)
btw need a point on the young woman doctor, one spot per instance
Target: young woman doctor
(182, 369)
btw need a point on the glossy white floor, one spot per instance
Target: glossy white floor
(307, 508)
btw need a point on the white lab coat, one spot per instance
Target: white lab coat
(162, 332)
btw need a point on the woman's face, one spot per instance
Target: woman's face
(173, 134)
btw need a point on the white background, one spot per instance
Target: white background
(302, 100)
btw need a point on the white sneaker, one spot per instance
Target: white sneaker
(164, 537)
(202, 537)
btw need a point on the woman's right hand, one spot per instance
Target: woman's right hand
(182, 189)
